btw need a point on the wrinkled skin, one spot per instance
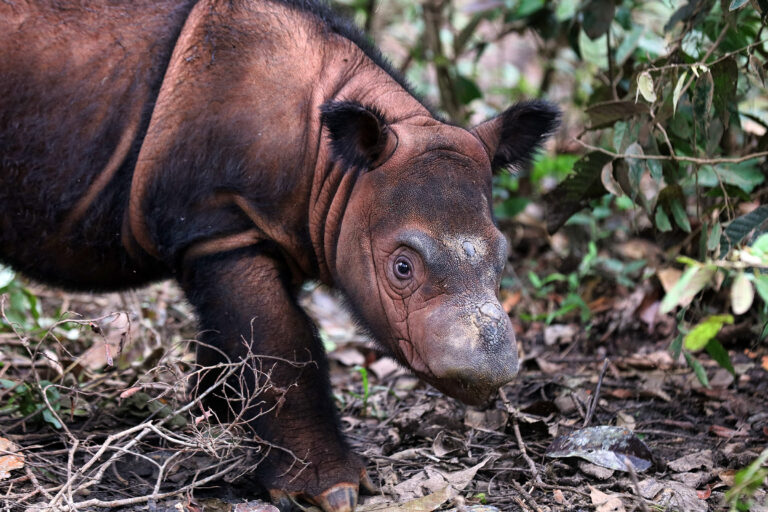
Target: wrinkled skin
(244, 147)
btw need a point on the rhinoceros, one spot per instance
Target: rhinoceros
(243, 147)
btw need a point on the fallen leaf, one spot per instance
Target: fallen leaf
(348, 357)
(444, 444)
(693, 461)
(430, 482)
(475, 508)
(668, 277)
(671, 495)
(604, 502)
(727, 477)
(510, 301)
(559, 332)
(595, 471)
(547, 367)
(384, 367)
(606, 446)
(255, 506)
(704, 494)
(423, 504)
(726, 432)
(9, 461)
(487, 421)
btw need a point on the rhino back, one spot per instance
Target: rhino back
(239, 115)
(78, 84)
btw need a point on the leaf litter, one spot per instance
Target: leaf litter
(426, 451)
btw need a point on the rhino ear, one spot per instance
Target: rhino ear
(358, 134)
(513, 137)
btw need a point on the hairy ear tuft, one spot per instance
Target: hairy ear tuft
(358, 133)
(513, 137)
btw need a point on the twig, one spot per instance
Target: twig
(520, 444)
(700, 161)
(230, 465)
(635, 483)
(596, 396)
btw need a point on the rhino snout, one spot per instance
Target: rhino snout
(470, 356)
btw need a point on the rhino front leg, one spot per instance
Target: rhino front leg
(246, 304)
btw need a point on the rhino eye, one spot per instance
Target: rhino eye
(403, 268)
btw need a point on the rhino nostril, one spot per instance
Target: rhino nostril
(491, 310)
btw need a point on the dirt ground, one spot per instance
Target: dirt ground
(125, 366)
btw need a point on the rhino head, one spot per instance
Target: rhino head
(419, 255)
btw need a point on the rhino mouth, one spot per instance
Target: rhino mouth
(412, 357)
(465, 391)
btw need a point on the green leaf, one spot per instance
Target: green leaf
(725, 75)
(736, 4)
(602, 115)
(467, 90)
(693, 280)
(6, 276)
(761, 244)
(761, 285)
(678, 90)
(702, 105)
(575, 191)
(742, 294)
(698, 369)
(50, 418)
(676, 346)
(705, 331)
(511, 207)
(7, 384)
(713, 241)
(645, 87)
(741, 227)
(656, 170)
(661, 219)
(745, 175)
(717, 352)
(598, 15)
(678, 212)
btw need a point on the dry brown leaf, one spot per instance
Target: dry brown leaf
(672, 495)
(432, 481)
(668, 277)
(693, 461)
(727, 476)
(511, 300)
(9, 461)
(604, 502)
(384, 367)
(423, 504)
(487, 421)
(348, 357)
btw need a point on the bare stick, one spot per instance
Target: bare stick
(596, 396)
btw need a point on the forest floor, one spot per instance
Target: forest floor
(109, 438)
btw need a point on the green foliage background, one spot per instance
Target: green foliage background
(664, 138)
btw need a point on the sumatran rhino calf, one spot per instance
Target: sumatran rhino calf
(243, 147)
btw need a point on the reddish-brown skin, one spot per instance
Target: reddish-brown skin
(244, 147)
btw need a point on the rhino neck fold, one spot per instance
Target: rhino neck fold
(331, 189)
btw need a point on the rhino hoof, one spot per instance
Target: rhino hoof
(366, 484)
(282, 500)
(339, 498)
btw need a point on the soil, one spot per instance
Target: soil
(419, 444)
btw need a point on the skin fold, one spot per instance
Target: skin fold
(243, 148)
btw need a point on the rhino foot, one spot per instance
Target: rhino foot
(340, 497)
